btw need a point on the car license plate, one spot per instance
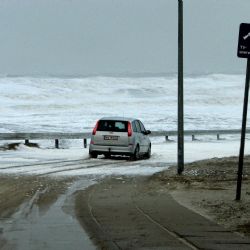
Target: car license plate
(110, 137)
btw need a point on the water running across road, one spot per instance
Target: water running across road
(57, 229)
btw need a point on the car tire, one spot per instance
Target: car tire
(148, 154)
(136, 154)
(93, 155)
(107, 156)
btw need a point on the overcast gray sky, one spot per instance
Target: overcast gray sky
(119, 36)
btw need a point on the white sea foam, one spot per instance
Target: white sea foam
(61, 104)
(53, 104)
(75, 162)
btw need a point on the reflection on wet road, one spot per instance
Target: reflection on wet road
(55, 229)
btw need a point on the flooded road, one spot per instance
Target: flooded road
(85, 167)
(55, 228)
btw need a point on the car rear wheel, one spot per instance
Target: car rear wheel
(136, 154)
(107, 155)
(93, 155)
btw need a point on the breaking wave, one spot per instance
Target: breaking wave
(62, 104)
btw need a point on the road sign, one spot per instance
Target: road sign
(244, 41)
(243, 52)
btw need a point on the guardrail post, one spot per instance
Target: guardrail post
(26, 142)
(85, 142)
(218, 136)
(56, 143)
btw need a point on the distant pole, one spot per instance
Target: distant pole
(56, 143)
(85, 142)
(180, 90)
(243, 133)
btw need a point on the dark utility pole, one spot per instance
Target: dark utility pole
(243, 133)
(180, 90)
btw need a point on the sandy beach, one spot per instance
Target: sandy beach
(209, 188)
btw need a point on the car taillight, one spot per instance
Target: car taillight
(95, 128)
(129, 129)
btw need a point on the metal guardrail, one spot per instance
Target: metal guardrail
(43, 136)
(200, 132)
(59, 136)
(193, 133)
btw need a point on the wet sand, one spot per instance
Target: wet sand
(39, 214)
(19, 192)
(15, 190)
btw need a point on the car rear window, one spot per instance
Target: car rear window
(115, 126)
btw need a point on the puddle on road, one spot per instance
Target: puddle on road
(28, 229)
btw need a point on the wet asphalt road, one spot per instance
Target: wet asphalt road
(29, 228)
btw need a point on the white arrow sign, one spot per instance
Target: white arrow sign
(245, 37)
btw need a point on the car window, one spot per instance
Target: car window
(138, 126)
(110, 125)
(142, 127)
(134, 127)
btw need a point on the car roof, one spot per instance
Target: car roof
(118, 118)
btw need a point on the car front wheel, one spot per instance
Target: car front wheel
(148, 154)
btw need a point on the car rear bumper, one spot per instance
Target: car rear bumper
(119, 150)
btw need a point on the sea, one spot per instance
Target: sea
(74, 104)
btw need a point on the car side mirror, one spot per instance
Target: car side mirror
(147, 132)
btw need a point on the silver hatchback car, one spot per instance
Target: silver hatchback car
(120, 136)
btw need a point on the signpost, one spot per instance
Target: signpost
(243, 52)
(244, 41)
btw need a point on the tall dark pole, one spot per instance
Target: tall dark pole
(243, 133)
(180, 90)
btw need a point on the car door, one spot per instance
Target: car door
(139, 138)
(145, 139)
